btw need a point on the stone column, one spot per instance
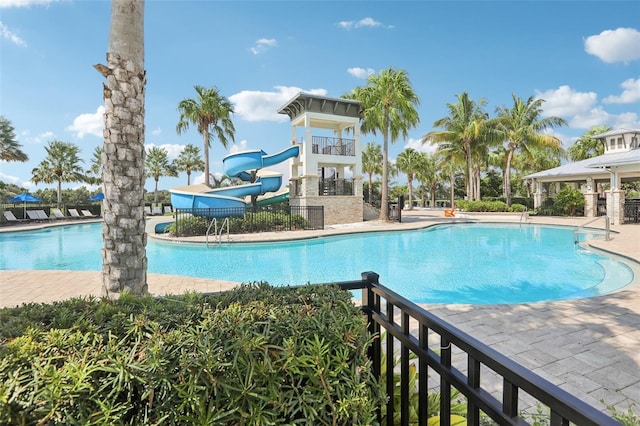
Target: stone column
(590, 204)
(615, 206)
(538, 195)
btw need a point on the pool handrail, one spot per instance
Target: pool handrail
(581, 229)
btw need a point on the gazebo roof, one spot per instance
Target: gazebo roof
(629, 161)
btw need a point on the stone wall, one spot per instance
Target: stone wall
(337, 210)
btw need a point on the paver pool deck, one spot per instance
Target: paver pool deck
(589, 347)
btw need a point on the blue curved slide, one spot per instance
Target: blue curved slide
(236, 165)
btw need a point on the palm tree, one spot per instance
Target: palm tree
(389, 107)
(520, 127)
(189, 161)
(427, 175)
(124, 257)
(466, 127)
(371, 164)
(9, 147)
(157, 165)
(587, 146)
(94, 173)
(450, 160)
(210, 111)
(222, 181)
(409, 161)
(60, 165)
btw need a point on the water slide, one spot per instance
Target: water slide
(236, 165)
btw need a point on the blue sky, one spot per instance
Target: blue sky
(581, 57)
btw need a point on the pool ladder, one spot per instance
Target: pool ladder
(581, 229)
(218, 235)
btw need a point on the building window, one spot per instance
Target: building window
(620, 144)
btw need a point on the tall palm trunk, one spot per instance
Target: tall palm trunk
(507, 177)
(205, 136)
(384, 192)
(410, 182)
(124, 260)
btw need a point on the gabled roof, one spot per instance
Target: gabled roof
(616, 132)
(579, 168)
(618, 159)
(590, 166)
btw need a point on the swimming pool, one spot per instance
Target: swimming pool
(461, 263)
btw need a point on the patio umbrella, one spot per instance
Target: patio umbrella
(25, 198)
(98, 197)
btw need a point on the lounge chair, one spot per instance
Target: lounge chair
(74, 214)
(57, 214)
(167, 209)
(156, 209)
(11, 218)
(450, 212)
(147, 210)
(87, 213)
(33, 215)
(42, 215)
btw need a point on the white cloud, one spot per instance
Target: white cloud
(12, 179)
(173, 150)
(5, 4)
(420, 147)
(589, 118)
(252, 105)
(263, 44)
(156, 132)
(619, 45)
(630, 93)
(627, 120)
(362, 23)
(238, 147)
(7, 34)
(38, 139)
(362, 73)
(566, 102)
(88, 124)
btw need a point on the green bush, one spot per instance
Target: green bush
(255, 355)
(188, 226)
(569, 200)
(482, 206)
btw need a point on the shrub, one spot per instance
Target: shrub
(188, 226)
(482, 206)
(255, 355)
(569, 200)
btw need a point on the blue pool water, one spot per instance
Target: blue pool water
(462, 263)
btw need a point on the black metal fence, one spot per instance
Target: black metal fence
(631, 211)
(422, 338)
(331, 186)
(247, 219)
(333, 146)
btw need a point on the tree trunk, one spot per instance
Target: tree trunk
(205, 135)
(370, 188)
(452, 189)
(188, 178)
(124, 260)
(507, 178)
(59, 200)
(410, 181)
(384, 191)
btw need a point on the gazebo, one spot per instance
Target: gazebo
(619, 163)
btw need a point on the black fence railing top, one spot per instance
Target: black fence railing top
(383, 306)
